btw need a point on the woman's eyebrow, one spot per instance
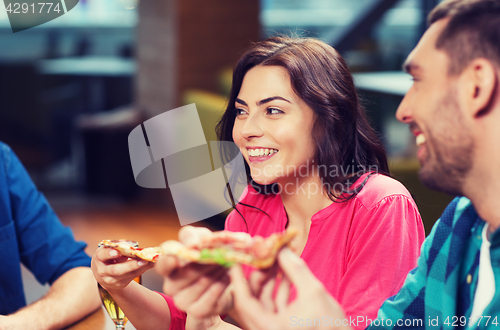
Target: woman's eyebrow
(241, 101)
(272, 98)
(261, 102)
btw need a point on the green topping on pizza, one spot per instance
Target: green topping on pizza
(217, 256)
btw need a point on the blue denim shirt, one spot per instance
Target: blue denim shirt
(31, 233)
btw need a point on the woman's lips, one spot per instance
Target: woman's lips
(258, 151)
(256, 155)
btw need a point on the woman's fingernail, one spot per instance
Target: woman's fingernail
(113, 253)
(142, 262)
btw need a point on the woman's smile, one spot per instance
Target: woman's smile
(258, 154)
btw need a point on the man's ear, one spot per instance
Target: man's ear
(479, 85)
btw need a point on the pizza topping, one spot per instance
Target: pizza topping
(238, 240)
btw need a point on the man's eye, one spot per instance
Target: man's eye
(274, 111)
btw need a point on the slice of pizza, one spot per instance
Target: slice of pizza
(227, 248)
(224, 248)
(125, 249)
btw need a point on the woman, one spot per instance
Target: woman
(314, 164)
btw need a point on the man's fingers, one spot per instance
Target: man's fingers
(210, 301)
(192, 236)
(258, 278)
(166, 265)
(240, 285)
(283, 294)
(266, 296)
(185, 297)
(249, 309)
(183, 277)
(296, 270)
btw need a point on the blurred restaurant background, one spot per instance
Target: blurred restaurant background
(72, 89)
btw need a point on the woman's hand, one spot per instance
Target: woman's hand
(144, 308)
(200, 290)
(114, 271)
(259, 307)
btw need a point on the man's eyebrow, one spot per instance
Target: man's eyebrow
(241, 101)
(272, 98)
(410, 67)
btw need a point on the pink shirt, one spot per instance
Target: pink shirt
(361, 249)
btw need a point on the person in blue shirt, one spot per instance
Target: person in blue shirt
(453, 109)
(31, 234)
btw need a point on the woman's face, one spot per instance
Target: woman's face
(273, 127)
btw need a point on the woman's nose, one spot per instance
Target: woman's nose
(252, 127)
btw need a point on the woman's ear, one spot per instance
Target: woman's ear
(479, 84)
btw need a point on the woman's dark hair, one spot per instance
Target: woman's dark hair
(341, 132)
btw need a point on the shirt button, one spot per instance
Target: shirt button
(469, 279)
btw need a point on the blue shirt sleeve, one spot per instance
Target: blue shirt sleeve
(46, 247)
(407, 308)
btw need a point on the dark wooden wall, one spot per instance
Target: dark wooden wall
(184, 44)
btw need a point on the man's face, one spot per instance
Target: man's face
(431, 108)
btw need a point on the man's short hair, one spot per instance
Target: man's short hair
(472, 32)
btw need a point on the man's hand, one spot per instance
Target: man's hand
(71, 297)
(200, 290)
(4, 323)
(259, 308)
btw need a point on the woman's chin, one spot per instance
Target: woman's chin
(263, 181)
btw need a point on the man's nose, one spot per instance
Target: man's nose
(403, 113)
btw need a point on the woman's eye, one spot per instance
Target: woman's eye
(240, 111)
(274, 111)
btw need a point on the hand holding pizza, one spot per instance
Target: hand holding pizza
(196, 279)
(114, 271)
(259, 308)
(195, 268)
(199, 289)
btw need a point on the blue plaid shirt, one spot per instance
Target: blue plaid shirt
(439, 293)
